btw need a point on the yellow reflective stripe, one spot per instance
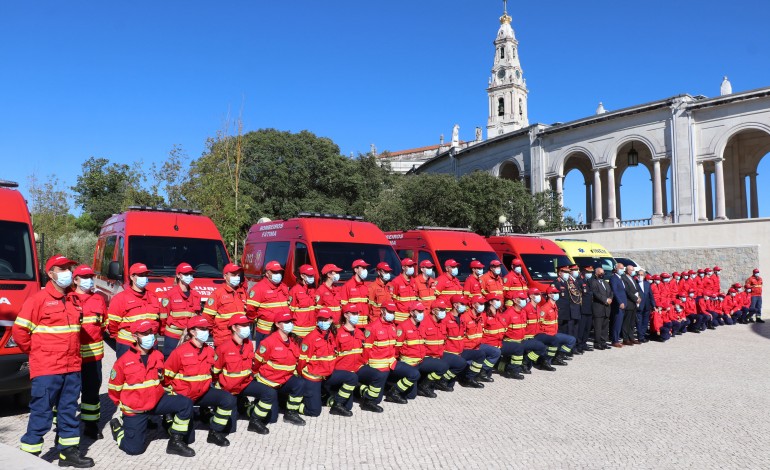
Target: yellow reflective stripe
(182, 314)
(376, 363)
(390, 342)
(455, 338)
(92, 350)
(494, 332)
(512, 340)
(517, 326)
(267, 382)
(127, 410)
(302, 309)
(549, 322)
(302, 330)
(475, 336)
(31, 448)
(434, 342)
(69, 441)
(64, 329)
(141, 316)
(428, 297)
(281, 366)
(91, 319)
(116, 387)
(227, 316)
(24, 323)
(310, 376)
(145, 384)
(252, 303)
(188, 378)
(323, 358)
(404, 299)
(410, 360)
(351, 352)
(243, 373)
(413, 342)
(208, 311)
(113, 317)
(264, 324)
(283, 303)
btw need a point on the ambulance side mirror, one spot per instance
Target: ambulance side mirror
(113, 271)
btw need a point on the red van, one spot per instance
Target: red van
(316, 239)
(161, 239)
(539, 256)
(439, 244)
(19, 279)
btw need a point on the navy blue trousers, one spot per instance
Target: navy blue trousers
(48, 391)
(132, 440)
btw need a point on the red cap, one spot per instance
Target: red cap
(732, 291)
(737, 285)
(709, 270)
(383, 266)
(665, 276)
(328, 268)
(521, 295)
(389, 306)
(323, 313)
(138, 268)
(426, 263)
(416, 306)
(656, 277)
(476, 264)
(691, 291)
(676, 274)
(691, 272)
(359, 263)
(198, 321)
(516, 262)
(184, 268)
(273, 266)
(717, 268)
(350, 308)
(439, 303)
(307, 270)
(700, 271)
(574, 267)
(756, 271)
(648, 277)
(588, 269)
(493, 296)
(144, 326)
(83, 270)
(451, 263)
(231, 268)
(407, 262)
(563, 269)
(284, 317)
(239, 319)
(552, 290)
(459, 299)
(534, 291)
(58, 260)
(478, 298)
(495, 262)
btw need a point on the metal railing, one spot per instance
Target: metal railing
(576, 227)
(635, 223)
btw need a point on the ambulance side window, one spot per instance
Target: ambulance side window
(119, 255)
(424, 255)
(109, 249)
(507, 260)
(300, 257)
(277, 251)
(406, 254)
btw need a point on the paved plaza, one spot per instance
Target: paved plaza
(698, 401)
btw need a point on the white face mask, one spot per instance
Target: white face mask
(141, 281)
(386, 277)
(496, 271)
(565, 276)
(555, 297)
(310, 280)
(235, 281)
(522, 303)
(187, 278)
(409, 271)
(363, 274)
(517, 269)
(575, 274)
(461, 308)
(441, 314)
(538, 299)
(478, 271)
(429, 272)
(86, 284)
(589, 275)
(497, 304)
(454, 271)
(479, 308)
(756, 274)
(63, 279)
(335, 277)
(276, 278)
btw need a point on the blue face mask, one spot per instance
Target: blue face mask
(276, 278)
(187, 279)
(429, 272)
(288, 327)
(87, 283)
(517, 269)
(141, 281)
(419, 317)
(353, 320)
(235, 281)
(555, 297)
(389, 317)
(479, 308)
(589, 275)
(324, 325)
(409, 271)
(336, 277)
(202, 335)
(538, 299)
(63, 279)
(363, 274)
(244, 332)
(441, 314)
(461, 308)
(386, 277)
(147, 342)
(455, 271)
(522, 303)
(310, 280)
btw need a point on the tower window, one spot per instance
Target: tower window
(500, 107)
(521, 107)
(502, 53)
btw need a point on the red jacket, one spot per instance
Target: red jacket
(188, 370)
(703, 305)
(473, 325)
(276, 360)
(472, 285)
(93, 317)
(447, 286)
(265, 301)
(318, 356)
(532, 313)
(756, 286)
(354, 292)
(223, 304)
(513, 284)
(426, 288)
(234, 365)
(350, 349)
(380, 345)
(495, 327)
(455, 334)
(517, 324)
(127, 307)
(689, 307)
(410, 345)
(328, 297)
(135, 387)
(48, 330)
(176, 308)
(548, 321)
(490, 282)
(302, 306)
(404, 292)
(434, 334)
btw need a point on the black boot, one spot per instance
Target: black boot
(257, 425)
(291, 416)
(70, 457)
(485, 376)
(177, 446)
(759, 320)
(218, 439)
(394, 397)
(512, 372)
(370, 405)
(92, 431)
(442, 385)
(469, 382)
(115, 427)
(564, 356)
(424, 389)
(339, 410)
(544, 363)
(558, 361)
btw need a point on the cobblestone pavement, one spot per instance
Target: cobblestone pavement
(697, 401)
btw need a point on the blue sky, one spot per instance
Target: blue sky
(127, 81)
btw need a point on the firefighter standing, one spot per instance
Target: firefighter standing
(403, 289)
(355, 290)
(755, 284)
(268, 299)
(132, 304)
(226, 302)
(380, 290)
(302, 301)
(425, 283)
(447, 284)
(48, 330)
(177, 306)
(327, 294)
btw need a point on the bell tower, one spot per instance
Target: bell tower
(507, 88)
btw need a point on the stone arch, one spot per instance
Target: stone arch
(561, 160)
(741, 149)
(510, 169)
(624, 141)
(644, 147)
(719, 148)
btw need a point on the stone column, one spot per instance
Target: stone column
(744, 210)
(589, 206)
(560, 189)
(754, 199)
(664, 188)
(611, 199)
(657, 193)
(701, 179)
(598, 211)
(720, 192)
(709, 196)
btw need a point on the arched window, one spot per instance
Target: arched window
(502, 52)
(500, 107)
(521, 107)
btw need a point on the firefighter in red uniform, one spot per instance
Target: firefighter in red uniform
(93, 314)
(136, 388)
(520, 353)
(434, 331)
(267, 299)
(132, 304)
(755, 284)
(532, 313)
(425, 283)
(464, 363)
(328, 295)
(380, 290)
(302, 301)
(177, 306)
(492, 280)
(694, 323)
(514, 282)
(48, 330)
(447, 284)
(225, 302)
(350, 359)
(717, 278)
(233, 369)
(559, 344)
(275, 362)
(474, 322)
(355, 290)
(404, 291)
(316, 367)
(472, 285)
(412, 351)
(495, 325)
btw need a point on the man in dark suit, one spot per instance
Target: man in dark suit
(632, 305)
(601, 299)
(586, 311)
(561, 283)
(646, 306)
(618, 305)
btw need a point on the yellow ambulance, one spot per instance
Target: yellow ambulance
(585, 253)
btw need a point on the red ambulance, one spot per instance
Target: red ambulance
(539, 256)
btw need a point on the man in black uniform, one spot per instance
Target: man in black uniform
(586, 313)
(601, 299)
(629, 317)
(563, 303)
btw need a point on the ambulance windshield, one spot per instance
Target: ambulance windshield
(543, 267)
(343, 255)
(16, 259)
(465, 258)
(163, 254)
(605, 262)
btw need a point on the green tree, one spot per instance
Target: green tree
(105, 188)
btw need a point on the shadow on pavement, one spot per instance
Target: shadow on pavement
(762, 329)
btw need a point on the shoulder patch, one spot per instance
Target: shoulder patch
(113, 374)
(251, 294)
(211, 301)
(304, 347)
(367, 333)
(164, 302)
(398, 332)
(262, 349)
